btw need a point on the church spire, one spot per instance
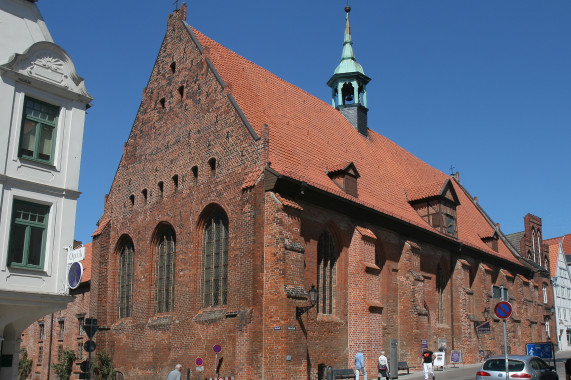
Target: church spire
(348, 84)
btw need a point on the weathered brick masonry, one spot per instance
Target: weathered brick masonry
(207, 139)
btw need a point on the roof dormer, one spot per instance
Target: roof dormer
(436, 204)
(346, 178)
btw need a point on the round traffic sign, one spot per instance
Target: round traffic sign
(198, 361)
(217, 348)
(89, 346)
(503, 310)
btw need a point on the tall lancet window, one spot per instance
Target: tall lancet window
(215, 260)
(166, 249)
(126, 257)
(326, 272)
(440, 285)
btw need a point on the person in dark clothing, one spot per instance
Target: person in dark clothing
(427, 357)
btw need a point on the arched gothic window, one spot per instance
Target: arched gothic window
(215, 260)
(326, 272)
(166, 249)
(126, 257)
(533, 244)
(440, 285)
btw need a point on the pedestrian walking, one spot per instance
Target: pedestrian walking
(427, 357)
(383, 366)
(360, 365)
(175, 373)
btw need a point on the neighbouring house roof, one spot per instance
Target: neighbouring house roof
(515, 240)
(100, 227)
(554, 243)
(307, 136)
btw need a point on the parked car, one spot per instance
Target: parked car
(519, 366)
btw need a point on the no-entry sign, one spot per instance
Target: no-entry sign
(503, 310)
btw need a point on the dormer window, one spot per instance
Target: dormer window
(436, 203)
(346, 178)
(492, 241)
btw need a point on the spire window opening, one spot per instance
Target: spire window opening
(173, 67)
(162, 103)
(132, 199)
(181, 91)
(348, 94)
(144, 192)
(161, 187)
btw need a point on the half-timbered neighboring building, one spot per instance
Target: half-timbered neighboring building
(559, 248)
(238, 193)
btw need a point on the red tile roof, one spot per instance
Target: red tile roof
(102, 225)
(307, 136)
(554, 243)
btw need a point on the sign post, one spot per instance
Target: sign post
(503, 311)
(217, 348)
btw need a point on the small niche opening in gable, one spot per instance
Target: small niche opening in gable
(194, 172)
(162, 102)
(173, 67)
(144, 192)
(175, 181)
(212, 164)
(181, 91)
(161, 187)
(132, 199)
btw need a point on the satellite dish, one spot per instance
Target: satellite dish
(74, 275)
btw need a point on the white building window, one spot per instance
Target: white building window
(544, 288)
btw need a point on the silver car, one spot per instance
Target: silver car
(519, 366)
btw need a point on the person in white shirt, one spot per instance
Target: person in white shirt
(383, 366)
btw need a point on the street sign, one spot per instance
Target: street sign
(90, 327)
(217, 348)
(484, 328)
(75, 255)
(84, 366)
(541, 350)
(503, 310)
(74, 275)
(198, 361)
(89, 346)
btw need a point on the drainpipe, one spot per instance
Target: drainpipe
(50, 347)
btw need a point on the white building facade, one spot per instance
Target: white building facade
(561, 280)
(42, 113)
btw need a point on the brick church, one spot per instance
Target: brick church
(248, 214)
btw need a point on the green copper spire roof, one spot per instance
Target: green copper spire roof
(348, 62)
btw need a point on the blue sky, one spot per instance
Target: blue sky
(483, 86)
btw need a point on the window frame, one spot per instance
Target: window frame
(165, 266)
(327, 257)
(28, 207)
(41, 123)
(215, 250)
(504, 293)
(125, 286)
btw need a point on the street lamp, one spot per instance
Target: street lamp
(300, 310)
